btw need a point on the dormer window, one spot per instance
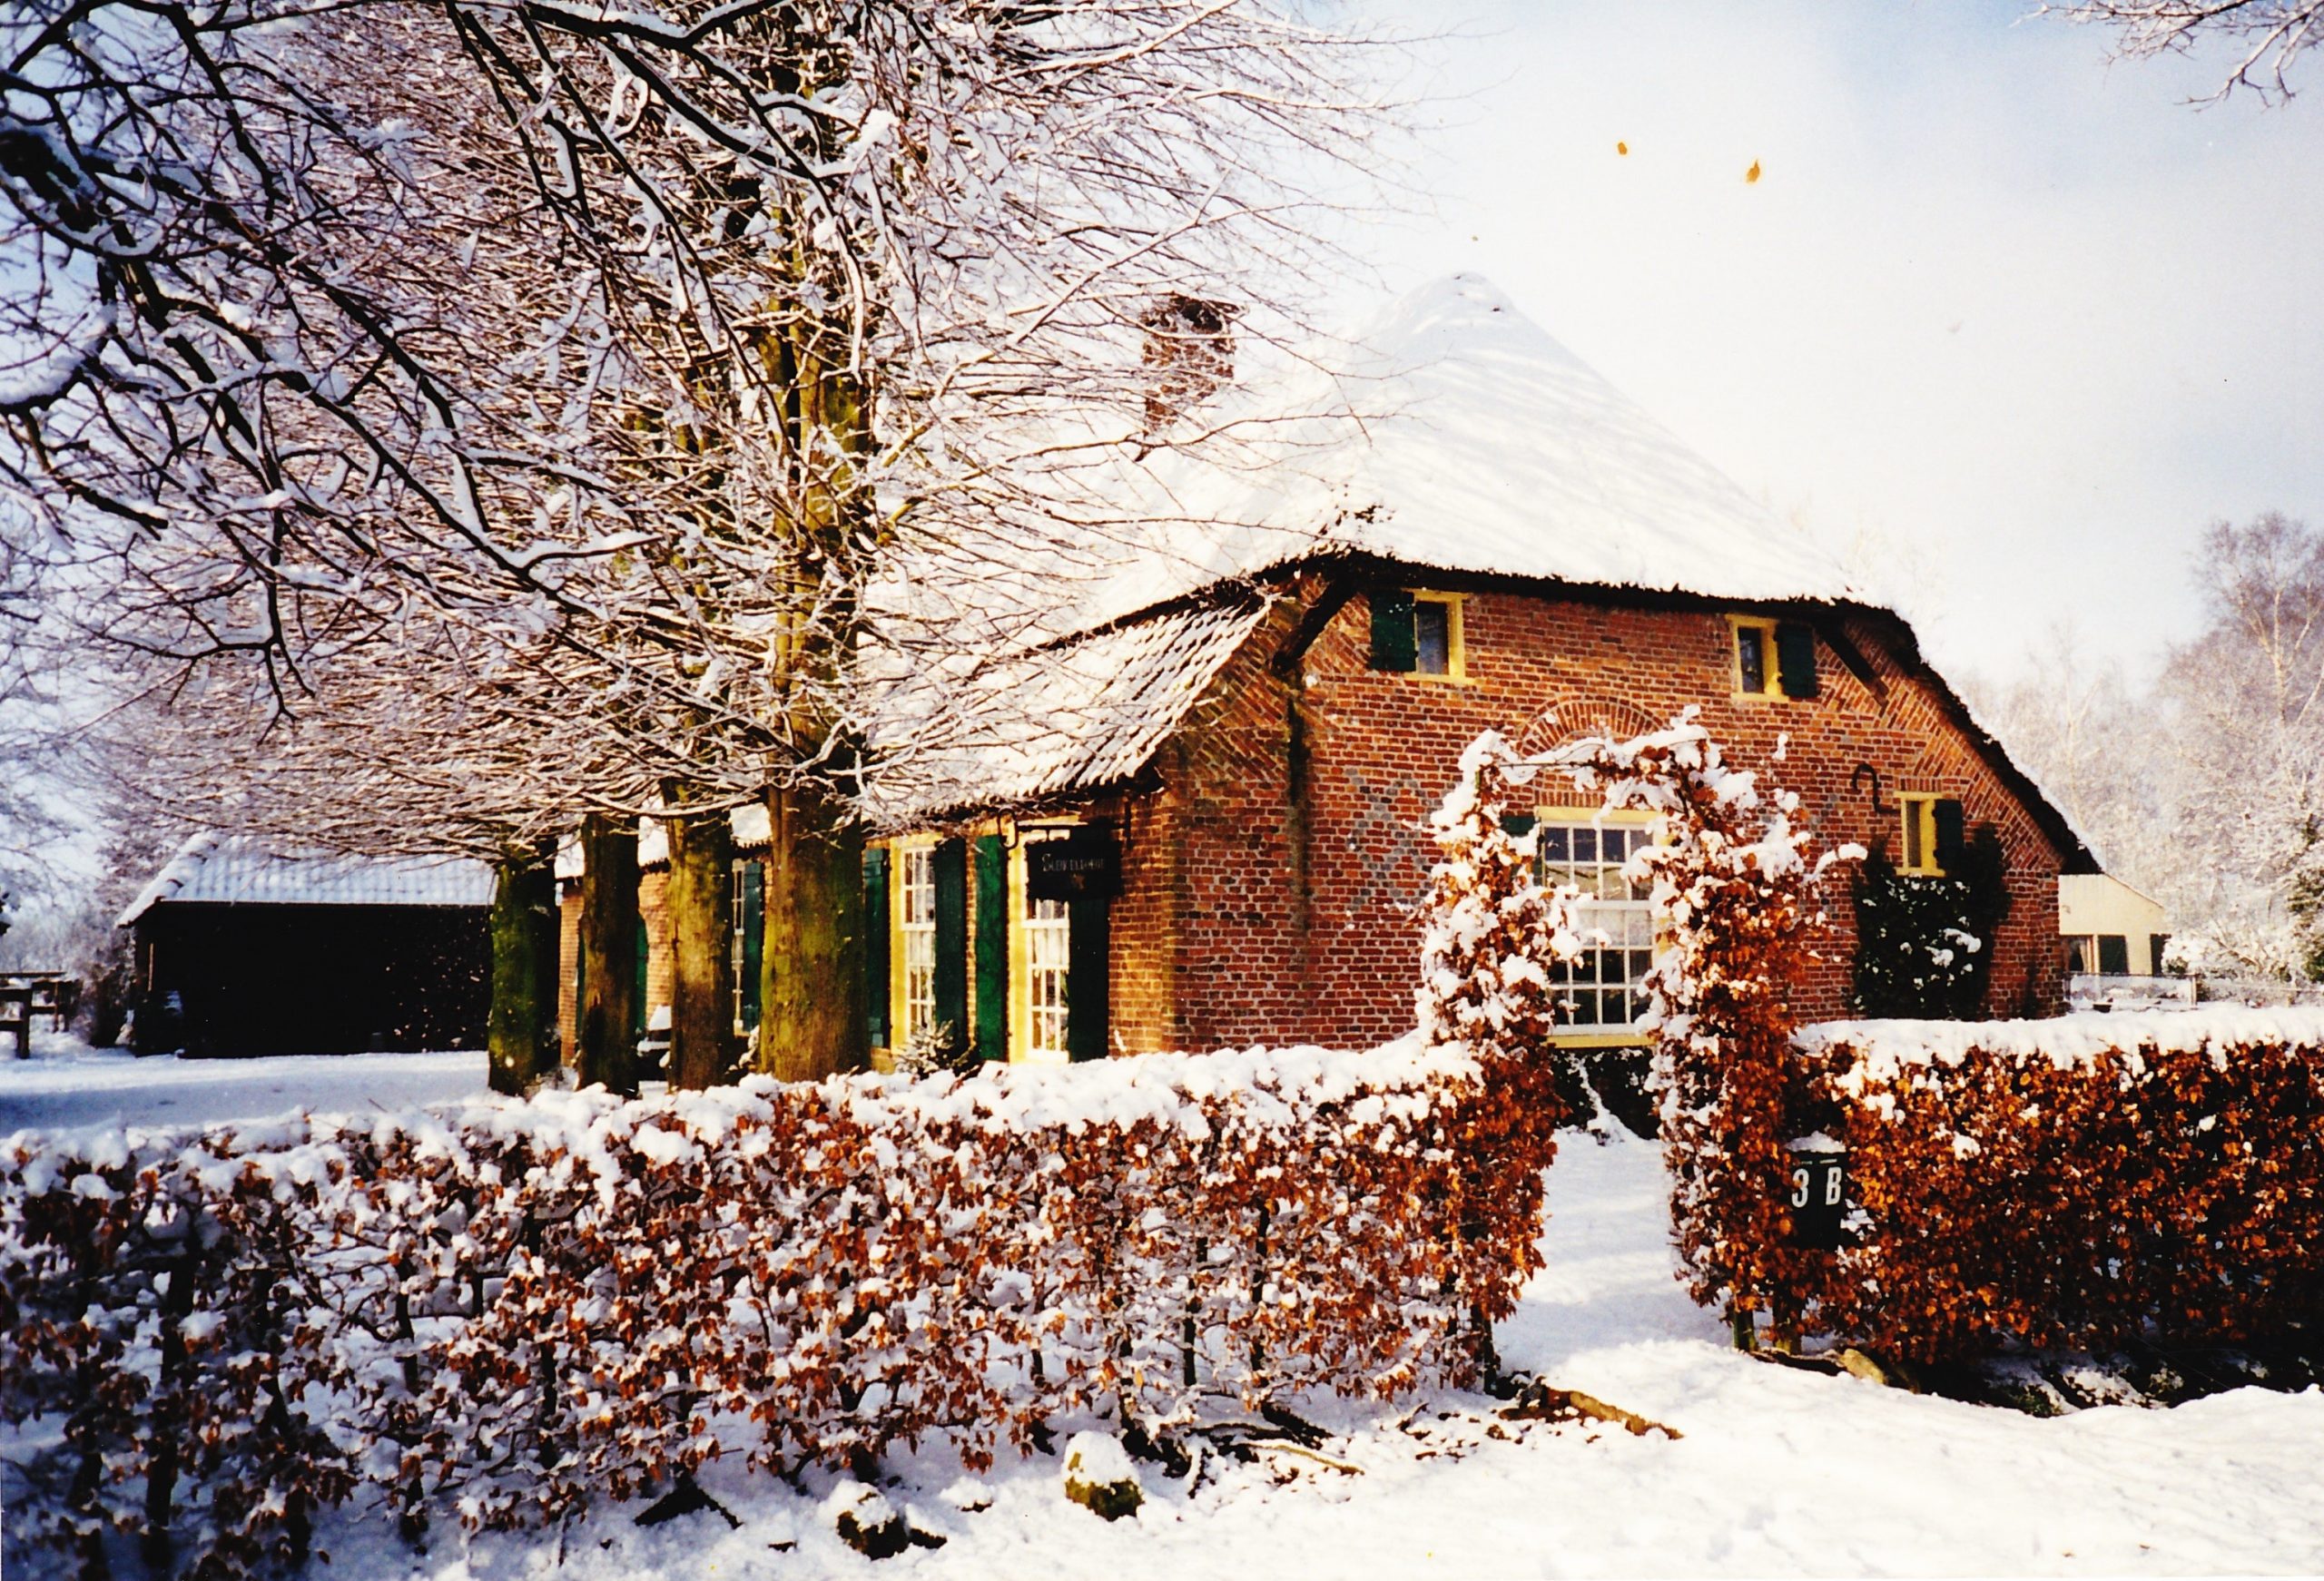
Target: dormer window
(1418, 633)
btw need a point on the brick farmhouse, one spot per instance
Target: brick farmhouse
(1204, 824)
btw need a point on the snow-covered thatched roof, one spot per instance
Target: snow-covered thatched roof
(1454, 435)
(233, 870)
(1067, 717)
(1457, 434)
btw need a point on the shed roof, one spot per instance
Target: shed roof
(236, 871)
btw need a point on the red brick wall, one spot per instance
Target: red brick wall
(1274, 931)
(658, 968)
(1142, 981)
(661, 965)
(568, 950)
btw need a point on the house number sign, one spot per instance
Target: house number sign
(1818, 1197)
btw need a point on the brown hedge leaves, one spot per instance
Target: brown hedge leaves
(515, 1310)
(2051, 1184)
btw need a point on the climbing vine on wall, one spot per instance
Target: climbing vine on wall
(1924, 942)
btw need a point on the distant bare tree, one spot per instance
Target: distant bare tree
(2272, 35)
(2208, 793)
(2246, 703)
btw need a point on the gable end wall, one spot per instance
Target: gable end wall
(1289, 912)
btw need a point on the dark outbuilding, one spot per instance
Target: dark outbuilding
(241, 951)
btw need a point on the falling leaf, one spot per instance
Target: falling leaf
(1753, 173)
(1622, 148)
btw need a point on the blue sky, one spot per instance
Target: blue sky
(2004, 320)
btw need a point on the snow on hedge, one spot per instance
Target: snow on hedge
(2093, 1180)
(504, 1310)
(1883, 1049)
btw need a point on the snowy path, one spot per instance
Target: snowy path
(67, 1085)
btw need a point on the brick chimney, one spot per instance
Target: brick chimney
(1190, 353)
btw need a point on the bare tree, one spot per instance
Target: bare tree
(2206, 792)
(658, 364)
(2271, 36)
(2246, 703)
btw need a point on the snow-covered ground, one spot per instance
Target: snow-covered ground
(66, 1083)
(1778, 1472)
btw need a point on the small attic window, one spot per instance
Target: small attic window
(1418, 633)
(1934, 835)
(1773, 658)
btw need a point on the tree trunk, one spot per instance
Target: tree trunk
(606, 1045)
(813, 1022)
(702, 991)
(522, 1022)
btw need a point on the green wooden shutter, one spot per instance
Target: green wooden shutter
(993, 948)
(2156, 943)
(1796, 658)
(875, 944)
(1952, 845)
(1087, 955)
(754, 938)
(2114, 955)
(1395, 644)
(951, 983)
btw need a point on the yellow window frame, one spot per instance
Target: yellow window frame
(1456, 642)
(1570, 815)
(898, 970)
(1021, 961)
(1916, 813)
(1770, 668)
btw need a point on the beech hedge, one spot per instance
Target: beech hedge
(2087, 1181)
(510, 1308)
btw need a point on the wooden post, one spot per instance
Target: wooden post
(606, 1054)
(20, 996)
(522, 1021)
(701, 990)
(813, 1021)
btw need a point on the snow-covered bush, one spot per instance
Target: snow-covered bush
(2082, 1181)
(1486, 989)
(511, 1309)
(1924, 940)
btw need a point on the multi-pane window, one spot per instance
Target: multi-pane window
(918, 873)
(1047, 940)
(1045, 946)
(746, 910)
(1600, 987)
(737, 945)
